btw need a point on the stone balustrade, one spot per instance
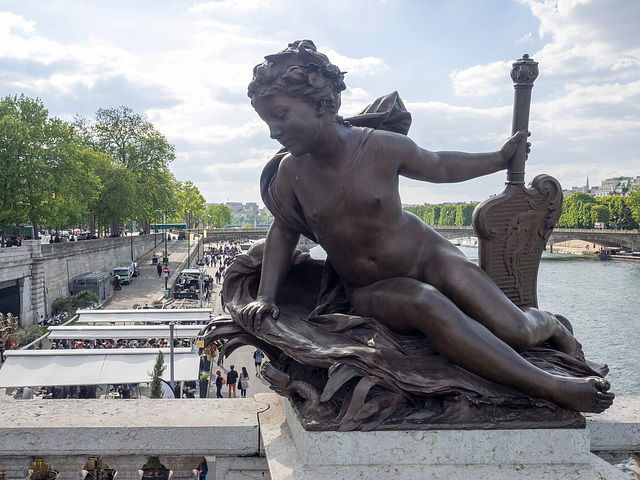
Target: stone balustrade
(229, 433)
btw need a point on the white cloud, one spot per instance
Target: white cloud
(525, 39)
(480, 80)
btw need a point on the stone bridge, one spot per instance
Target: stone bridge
(628, 239)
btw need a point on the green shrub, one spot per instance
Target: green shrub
(61, 304)
(84, 299)
(31, 333)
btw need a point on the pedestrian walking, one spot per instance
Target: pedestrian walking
(232, 378)
(219, 383)
(159, 268)
(243, 383)
(258, 356)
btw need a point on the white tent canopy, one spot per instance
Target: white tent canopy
(44, 368)
(90, 332)
(145, 315)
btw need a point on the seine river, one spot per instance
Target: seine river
(602, 301)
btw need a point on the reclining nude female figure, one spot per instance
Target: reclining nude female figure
(343, 181)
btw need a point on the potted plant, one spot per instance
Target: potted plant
(42, 471)
(204, 385)
(154, 470)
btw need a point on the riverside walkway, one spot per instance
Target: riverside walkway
(147, 288)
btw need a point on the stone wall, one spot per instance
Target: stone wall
(241, 438)
(43, 271)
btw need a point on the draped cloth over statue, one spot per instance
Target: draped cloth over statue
(345, 372)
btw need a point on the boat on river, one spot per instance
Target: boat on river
(613, 254)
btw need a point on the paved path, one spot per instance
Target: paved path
(147, 288)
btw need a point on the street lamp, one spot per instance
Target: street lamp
(131, 233)
(189, 241)
(198, 233)
(165, 259)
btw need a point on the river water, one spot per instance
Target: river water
(602, 301)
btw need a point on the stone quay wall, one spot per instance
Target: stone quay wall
(43, 271)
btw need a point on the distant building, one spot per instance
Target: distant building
(620, 186)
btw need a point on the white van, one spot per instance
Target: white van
(125, 270)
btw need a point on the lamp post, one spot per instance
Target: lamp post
(131, 233)
(171, 357)
(189, 240)
(165, 259)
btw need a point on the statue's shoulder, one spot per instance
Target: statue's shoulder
(384, 140)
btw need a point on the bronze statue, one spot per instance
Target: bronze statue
(388, 277)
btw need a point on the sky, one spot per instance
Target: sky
(185, 66)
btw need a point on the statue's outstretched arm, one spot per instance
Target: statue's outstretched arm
(451, 167)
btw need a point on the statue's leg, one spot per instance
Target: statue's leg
(405, 304)
(473, 291)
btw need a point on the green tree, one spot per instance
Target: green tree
(30, 333)
(600, 213)
(218, 216)
(117, 195)
(574, 213)
(189, 202)
(25, 181)
(634, 204)
(448, 215)
(156, 376)
(620, 213)
(464, 212)
(84, 299)
(61, 304)
(133, 143)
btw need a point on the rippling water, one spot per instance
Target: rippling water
(602, 301)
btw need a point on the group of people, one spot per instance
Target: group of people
(55, 392)
(119, 343)
(237, 380)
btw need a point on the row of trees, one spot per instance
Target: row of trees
(458, 215)
(101, 172)
(579, 210)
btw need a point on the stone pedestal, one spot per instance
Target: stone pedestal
(293, 453)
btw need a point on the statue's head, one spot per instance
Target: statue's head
(301, 72)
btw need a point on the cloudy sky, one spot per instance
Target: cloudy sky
(185, 66)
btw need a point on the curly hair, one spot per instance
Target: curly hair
(302, 72)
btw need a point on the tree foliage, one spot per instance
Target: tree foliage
(634, 203)
(218, 216)
(46, 175)
(580, 210)
(189, 203)
(133, 145)
(450, 215)
(112, 169)
(84, 299)
(156, 376)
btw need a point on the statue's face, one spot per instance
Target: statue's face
(296, 124)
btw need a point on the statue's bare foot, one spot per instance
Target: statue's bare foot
(584, 394)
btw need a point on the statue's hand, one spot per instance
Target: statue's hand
(508, 150)
(253, 313)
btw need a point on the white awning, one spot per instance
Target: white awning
(44, 368)
(145, 315)
(91, 332)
